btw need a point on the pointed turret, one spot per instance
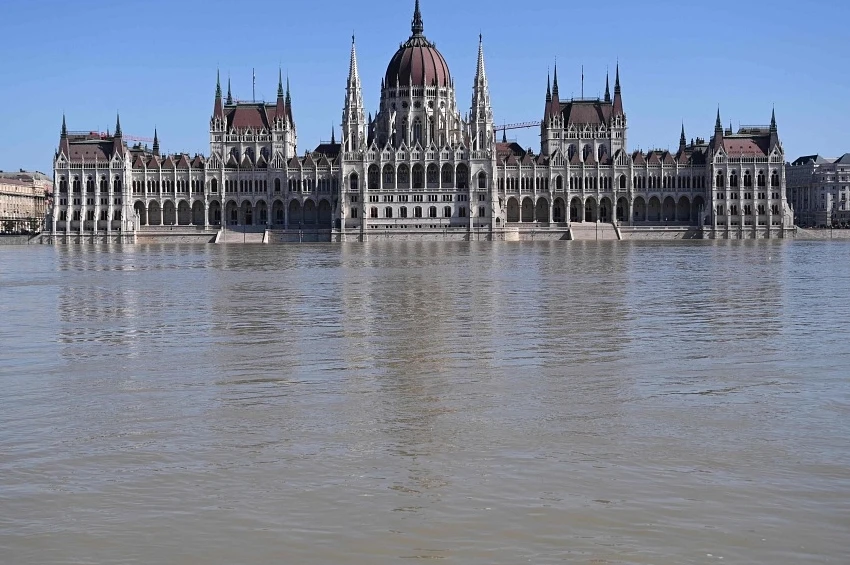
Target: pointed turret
(118, 139)
(607, 89)
(229, 94)
(774, 130)
(481, 115)
(280, 108)
(64, 146)
(333, 136)
(218, 111)
(618, 95)
(548, 88)
(683, 142)
(718, 125)
(417, 26)
(155, 142)
(354, 114)
(555, 95)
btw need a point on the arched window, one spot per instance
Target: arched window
(571, 151)
(603, 152)
(403, 176)
(354, 182)
(482, 179)
(277, 185)
(462, 212)
(623, 181)
(720, 181)
(374, 177)
(733, 180)
(748, 180)
(373, 212)
(432, 212)
(433, 174)
(104, 187)
(417, 212)
(762, 180)
(586, 151)
(402, 213)
(214, 185)
(462, 180)
(388, 212)
(447, 175)
(418, 176)
(447, 212)
(559, 183)
(89, 184)
(389, 176)
(774, 179)
(417, 131)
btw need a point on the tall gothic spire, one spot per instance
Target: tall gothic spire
(155, 143)
(353, 72)
(229, 94)
(288, 96)
(548, 87)
(607, 89)
(718, 125)
(217, 84)
(618, 94)
(555, 84)
(480, 74)
(683, 142)
(64, 127)
(418, 28)
(773, 127)
(279, 83)
(118, 126)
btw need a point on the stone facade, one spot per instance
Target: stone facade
(819, 189)
(24, 200)
(420, 165)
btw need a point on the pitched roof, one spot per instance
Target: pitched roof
(591, 112)
(751, 146)
(249, 115)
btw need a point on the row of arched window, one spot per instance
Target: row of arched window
(417, 177)
(76, 184)
(417, 212)
(761, 180)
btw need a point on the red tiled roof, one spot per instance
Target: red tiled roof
(749, 146)
(586, 112)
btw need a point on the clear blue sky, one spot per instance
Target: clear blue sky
(155, 62)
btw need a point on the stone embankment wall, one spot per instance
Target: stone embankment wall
(16, 239)
(821, 234)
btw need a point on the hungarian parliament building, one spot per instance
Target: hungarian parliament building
(419, 165)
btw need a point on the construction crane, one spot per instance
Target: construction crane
(521, 125)
(107, 135)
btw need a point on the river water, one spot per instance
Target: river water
(564, 402)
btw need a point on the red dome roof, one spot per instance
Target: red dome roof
(417, 62)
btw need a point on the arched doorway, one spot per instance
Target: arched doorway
(622, 209)
(278, 216)
(640, 209)
(215, 213)
(169, 213)
(231, 213)
(184, 213)
(324, 213)
(309, 212)
(154, 214)
(669, 212)
(683, 210)
(295, 218)
(605, 210)
(513, 210)
(575, 210)
(262, 213)
(653, 213)
(139, 208)
(558, 211)
(541, 211)
(590, 210)
(246, 214)
(198, 213)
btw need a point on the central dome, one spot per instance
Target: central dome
(417, 62)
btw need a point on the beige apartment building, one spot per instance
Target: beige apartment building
(24, 201)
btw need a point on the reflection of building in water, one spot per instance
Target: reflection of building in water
(422, 162)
